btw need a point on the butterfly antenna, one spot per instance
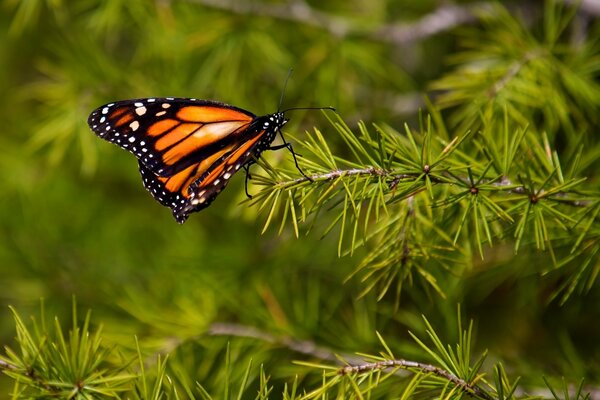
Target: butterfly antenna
(309, 108)
(287, 78)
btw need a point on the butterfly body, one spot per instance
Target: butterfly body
(187, 149)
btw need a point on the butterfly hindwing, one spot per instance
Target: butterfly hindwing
(187, 149)
(173, 191)
(207, 187)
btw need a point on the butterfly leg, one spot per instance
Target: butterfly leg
(288, 146)
(248, 177)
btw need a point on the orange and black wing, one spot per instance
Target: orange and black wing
(195, 187)
(170, 134)
(187, 149)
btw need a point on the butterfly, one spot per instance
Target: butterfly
(187, 149)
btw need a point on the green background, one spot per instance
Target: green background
(75, 219)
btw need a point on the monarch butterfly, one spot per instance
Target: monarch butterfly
(187, 149)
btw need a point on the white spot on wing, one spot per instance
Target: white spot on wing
(140, 110)
(217, 130)
(134, 126)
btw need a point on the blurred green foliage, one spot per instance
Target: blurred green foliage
(76, 221)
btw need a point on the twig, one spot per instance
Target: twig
(591, 7)
(357, 364)
(8, 366)
(30, 373)
(442, 19)
(296, 11)
(338, 173)
(469, 388)
(300, 346)
(504, 185)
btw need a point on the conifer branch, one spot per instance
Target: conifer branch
(591, 7)
(469, 388)
(442, 19)
(503, 185)
(356, 364)
(30, 374)
(7, 366)
(327, 176)
(305, 347)
(497, 184)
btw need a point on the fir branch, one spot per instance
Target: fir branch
(16, 372)
(52, 363)
(502, 185)
(469, 388)
(486, 186)
(4, 365)
(442, 19)
(338, 173)
(296, 11)
(591, 7)
(356, 364)
(305, 347)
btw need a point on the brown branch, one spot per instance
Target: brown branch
(4, 365)
(442, 19)
(469, 388)
(357, 364)
(300, 346)
(591, 7)
(338, 173)
(504, 185)
(295, 11)
(29, 373)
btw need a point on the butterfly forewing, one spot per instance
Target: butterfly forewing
(168, 134)
(187, 149)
